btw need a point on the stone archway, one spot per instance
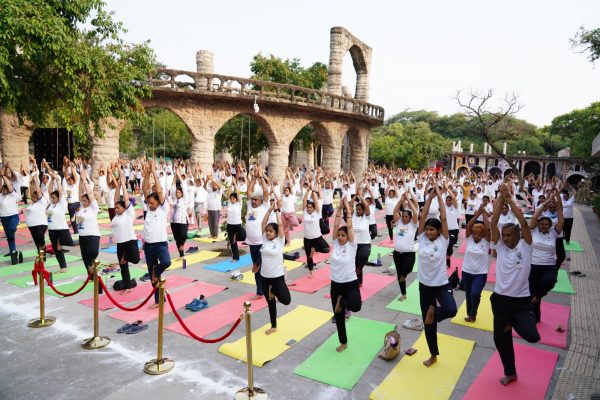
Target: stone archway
(462, 169)
(477, 170)
(532, 167)
(507, 172)
(550, 170)
(495, 171)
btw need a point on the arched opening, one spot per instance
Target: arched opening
(463, 169)
(550, 170)
(348, 79)
(477, 170)
(241, 138)
(574, 179)
(507, 172)
(495, 171)
(532, 167)
(302, 148)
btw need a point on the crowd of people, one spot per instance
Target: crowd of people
(422, 214)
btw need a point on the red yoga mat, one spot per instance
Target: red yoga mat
(138, 293)
(372, 283)
(216, 317)
(180, 298)
(317, 258)
(534, 368)
(553, 315)
(457, 262)
(386, 243)
(19, 241)
(320, 279)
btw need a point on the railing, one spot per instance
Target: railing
(263, 90)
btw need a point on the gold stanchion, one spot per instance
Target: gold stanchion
(96, 341)
(160, 365)
(44, 320)
(250, 392)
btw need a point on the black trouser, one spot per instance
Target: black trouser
(257, 261)
(373, 231)
(132, 184)
(127, 252)
(326, 212)
(363, 251)
(73, 207)
(233, 233)
(320, 246)
(24, 190)
(468, 217)
(515, 313)
(389, 221)
(430, 296)
(158, 260)
(338, 191)
(567, 227)
(37, 234)
(89, 246)
(350, 300)
(404, 263)
(378, 204)
(560, 252)
(453, 239)
(180, 235)
(281, 292)
(542, 279)
(60, 237)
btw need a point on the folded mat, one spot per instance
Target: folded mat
(72, 286)
(216, 317)
(372, 283)
(295, 325)
(563, 284)
(345, 369)
(412, 304)
(534, 367)
(180, 299)
(193, 258)
(410, 379)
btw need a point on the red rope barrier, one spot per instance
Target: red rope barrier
(189, 332)
(119, 305)
(66, 294)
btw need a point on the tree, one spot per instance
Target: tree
(64, 62)
(580, 126)
(587, 41)
(241, 137)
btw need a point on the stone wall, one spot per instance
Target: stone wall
(14, 140)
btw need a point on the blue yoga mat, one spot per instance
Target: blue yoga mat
(113, 249)
(228, 265)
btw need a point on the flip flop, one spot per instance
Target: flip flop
(127, 327)
(136, 328)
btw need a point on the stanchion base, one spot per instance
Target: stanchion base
(96, 342)
(156, 367)
(244, 394)
(41, 323)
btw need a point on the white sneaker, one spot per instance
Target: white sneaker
(414, 324)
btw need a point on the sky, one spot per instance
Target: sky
(423, 51)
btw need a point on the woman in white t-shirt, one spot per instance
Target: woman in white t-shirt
(506, 216)
(124, 235)
(345, 293)
(511, 302)
(86, 219)
(476, 263)
(433, 281)
(288, 212)
(272, 270)
(568, 201)
(235, 230)
(360, 223)
(452, 215)
(313, 238)
(200, 196)
(404, 240)
(58, 230)
(9, 213)
(179, 211)
(544, 271)
(471, 206)
(35, 214)
(391, 199)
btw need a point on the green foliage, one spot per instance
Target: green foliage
(587, 41)
(274, 69)
(579, 127)
(64, 61)
(233, 137)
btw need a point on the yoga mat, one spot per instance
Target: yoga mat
(412, 380)
(296, 325)
(563, 284)
(344, 369)
(457, 262)
(387, 243)
(411, 305)
(192, 234)
(72, 286)
(574, 245)
(113, 249)
(320, 279)
(462, 248)
(229, 265)
(193, 259)
(137, 293)
(19, 241)
(372, 283)
(220, 238)
(294, 245)
(73, 270)
(375, 250)
(180, 299)
(216, 317)
(534, 367)
(249, 275)
(317, 257)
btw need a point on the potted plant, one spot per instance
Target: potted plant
(596, 205)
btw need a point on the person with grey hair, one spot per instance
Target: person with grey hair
(258, 207)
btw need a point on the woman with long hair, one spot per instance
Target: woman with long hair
(86, 219)
(313, 238)
(58, 230)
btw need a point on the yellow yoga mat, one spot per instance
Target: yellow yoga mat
(220, 238)
(410, 379)
(249, 276)
(138, 227)
(293, 245)
(295, 325)
(104, 221)
(485, 317)
(193, 259)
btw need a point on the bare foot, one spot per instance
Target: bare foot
(153, 306)
(270, 330)
(402, 297)
(430, 361)
(310, 276)
(470, 319)
(508, 379)
(430, 317)
(341, 347)
(61, 271)
(256, 297)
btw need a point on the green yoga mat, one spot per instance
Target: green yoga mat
(411, 305)
(27, 280)
(192, 234)
(574, 245)
(28, 265)
(415, 265)
(73, 286)
(563, 284)
(383, 251)
(365, 339)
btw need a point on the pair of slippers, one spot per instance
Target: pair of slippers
(198, 304)
(133, 328)
(192, 249)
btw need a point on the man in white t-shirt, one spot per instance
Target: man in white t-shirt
(258, 207)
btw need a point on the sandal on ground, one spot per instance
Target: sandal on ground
(127, 327)
(136, 328)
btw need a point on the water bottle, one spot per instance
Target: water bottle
(379, 263)
(184, 264)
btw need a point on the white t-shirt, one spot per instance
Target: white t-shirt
(89, 225)
(200, 194)
(512, 269)
(432, 261)
(360, 225)
(214, 199)
(312, 229)
(288, 204)
(122, 226)
(102, 185)
(254, 217)
(271, 253)
(434, 209)
(72, 192)
(8, 204)
(452, 215)
(111, 198)
(476, 256)
(327, 196)
(544, 247)
(472, 206)
(234, 213)
(404, 239)
(489, 208)
(343, 268)
(180, 210)
(390, 204)
(536, 193)
(554, 218)
(568, 207)
(509, 218)
(35, 213)
(155, 224)
(56, 215)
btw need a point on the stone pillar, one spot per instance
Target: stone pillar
(205, 64)
(338, 45)
(15, 140)
(362, 86)
(310, 156)
(278, 160)
(332, 156)
(203, 147)
(106, 146)
(359, 156)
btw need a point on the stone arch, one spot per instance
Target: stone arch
(310, 154)
(573, 178)
(507, 172)
(495, 171)
(172, 110)
(341, 42)
(476, 169)
(550, 170)
(532, 166)
(461, 169)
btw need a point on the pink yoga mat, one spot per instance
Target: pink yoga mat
(216, 317)
(457, 262)
(180, 298)
(317, 258)
(138, 293)
(19, 241)
(534, 368)
(320, 279)
(462, 248)
(372, 283)
(552, 316)
(386, 243)
(462, 234)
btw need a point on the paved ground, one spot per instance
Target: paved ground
(49, 363)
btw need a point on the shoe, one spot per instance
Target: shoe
(414, 324)
(195, 302)
(20, 257)
(199, 306)
(14, 257)
(145, 277)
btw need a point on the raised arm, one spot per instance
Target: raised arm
(496, 213)
(349, 221)
(520, 217)
(159, 189)
(338, 218)
(425, 210)
(265, 220)
(442, 213)
(559, 212)
(469, 228)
